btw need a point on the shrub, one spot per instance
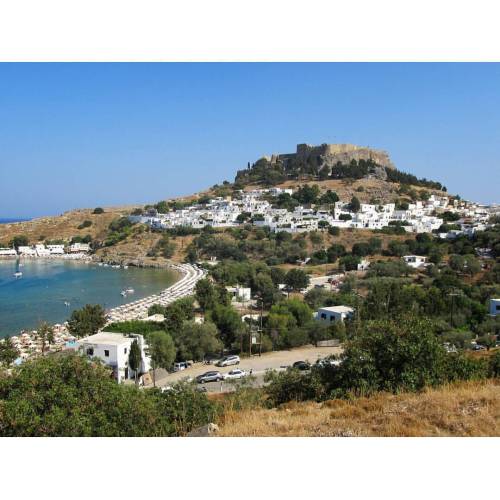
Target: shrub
(98, 210)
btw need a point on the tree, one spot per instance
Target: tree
(228, 322)
(19, 241)
(354, 205)
(8, 352)
(135, 359)
(296, 279)
(161, 350)
(45, 333)
(70, 396)
(86, 321)
(194, 341)
(98, 210)
(205, 294)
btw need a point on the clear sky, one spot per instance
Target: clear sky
(83, 135)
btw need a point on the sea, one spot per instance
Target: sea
(9, 221)
(46, 285)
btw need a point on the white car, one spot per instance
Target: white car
(234, 374)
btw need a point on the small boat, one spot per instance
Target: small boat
(130, 290)
(123, 293)
(125, 267)
(66, 303)
(18, 274)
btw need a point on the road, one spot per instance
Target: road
(258, 364)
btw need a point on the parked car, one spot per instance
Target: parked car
(234, 374)
(209, 360)
(301, 365)
(209, 377)
(182, 365)
(478, 347)
(201, 388)
(228, 361)
(328, 362)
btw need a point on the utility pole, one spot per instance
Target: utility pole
(452, 305)
(260, 329)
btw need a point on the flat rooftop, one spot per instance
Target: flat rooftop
(337, 309)
(108, 338)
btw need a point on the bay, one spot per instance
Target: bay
(40, 294)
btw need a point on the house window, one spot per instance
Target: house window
(332, 318)
(106, 353)
(323, 316)
(125, 350)
(90, 351)
(498, 308)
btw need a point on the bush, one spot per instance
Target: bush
(98, 210)
(84, 224)
(291, 385)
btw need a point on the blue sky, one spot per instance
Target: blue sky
(83, 135)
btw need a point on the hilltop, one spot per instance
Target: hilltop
(345, 169)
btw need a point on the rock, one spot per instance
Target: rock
(204, 431)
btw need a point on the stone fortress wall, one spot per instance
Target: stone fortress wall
(330, 154)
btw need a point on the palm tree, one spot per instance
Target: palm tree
(45, 333)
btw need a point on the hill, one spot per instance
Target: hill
(328, 161)
(345, 169)
(465, 409)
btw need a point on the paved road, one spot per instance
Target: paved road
(258, 365)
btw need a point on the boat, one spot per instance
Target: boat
(130, 290)
(125, 267)
(66, 303)
(18, 274)
(123, 293)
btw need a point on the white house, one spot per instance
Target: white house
(334, 313)
(41, 251)
(8, 252)
(239, 294)
(415, 261)
(79, 247)
(113, 349)
(56, 249)
(494, 307)
(28, 251)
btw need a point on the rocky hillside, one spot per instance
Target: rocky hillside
(80, 222)
(328, 161)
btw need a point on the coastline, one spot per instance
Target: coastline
(29, 346)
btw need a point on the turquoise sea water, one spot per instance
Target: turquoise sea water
(47, 284)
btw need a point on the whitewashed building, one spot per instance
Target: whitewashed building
(494, 307)
(239, 294)
(113, 350)
(334, 314)
(415, 261)
(8, 252)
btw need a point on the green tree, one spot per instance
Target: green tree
(296, 279)
(135, 359)
(161, 350)
(77, 398)
(8, 352)
(98, 210)
(194, 341)
(205, 294)
(19, 241)
(45, 333)
(354, 205)
(86, 321)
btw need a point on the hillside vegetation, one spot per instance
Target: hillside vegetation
(463, 409)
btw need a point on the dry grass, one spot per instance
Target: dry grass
(63, 226)
(466, 409)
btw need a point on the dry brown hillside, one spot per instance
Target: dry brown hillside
(63, 226)
(466, 409)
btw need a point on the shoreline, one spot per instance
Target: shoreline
(29, 346)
